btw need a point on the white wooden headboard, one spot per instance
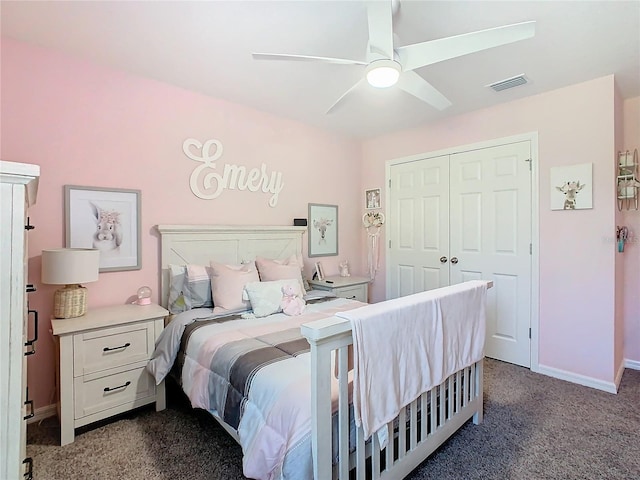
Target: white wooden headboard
(199, 244)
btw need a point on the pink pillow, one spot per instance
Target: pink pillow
(227, 284)
(287, 269)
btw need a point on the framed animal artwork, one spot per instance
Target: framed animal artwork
(107, 219)
(372, 198)
(323, 230)
(572, 187)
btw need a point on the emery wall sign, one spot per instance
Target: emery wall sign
(208, 183)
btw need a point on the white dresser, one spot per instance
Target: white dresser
(103, 355)
(19, 183)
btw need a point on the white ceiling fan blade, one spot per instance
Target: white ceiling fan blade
(434, 51)
(305, 58)
(333, 107)
(417, 86)
(380, 27)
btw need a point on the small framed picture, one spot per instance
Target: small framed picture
(107, 219)
(572, 187)
(372, 198)
(319, 271)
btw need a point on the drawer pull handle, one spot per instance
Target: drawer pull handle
(109, 349)
(124, 385)
(28, 475)
(29, 404)
(30, 343)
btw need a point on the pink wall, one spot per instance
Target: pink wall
(88, 125)
(577, 258)
(631, 218)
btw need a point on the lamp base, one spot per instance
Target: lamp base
(70, 302)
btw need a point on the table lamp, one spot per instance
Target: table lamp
(70, 267)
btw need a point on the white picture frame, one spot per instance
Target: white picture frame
(372, 198)
(572, 187)
(323, 230)
(107, 219)
(320, 271)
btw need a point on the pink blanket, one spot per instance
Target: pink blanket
(405, 346)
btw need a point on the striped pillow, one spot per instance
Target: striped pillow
(198, 287)
(189, 287)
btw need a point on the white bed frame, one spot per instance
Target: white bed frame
(420, 428)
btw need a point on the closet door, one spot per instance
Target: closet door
(462, 217)
(418, 226)
(490, 221)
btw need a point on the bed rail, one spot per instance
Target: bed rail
(420, 428)
(325, 337)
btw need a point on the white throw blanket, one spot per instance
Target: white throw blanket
(405, 346)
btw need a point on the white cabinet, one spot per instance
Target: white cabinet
(19, 182)
(356, 288)
(103, 355)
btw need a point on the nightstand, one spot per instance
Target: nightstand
(103, 356)
(345, 287)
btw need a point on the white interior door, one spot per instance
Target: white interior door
(490, 221)
(418, 226)
(467, 216)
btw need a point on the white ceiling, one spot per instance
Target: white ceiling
(206, 47)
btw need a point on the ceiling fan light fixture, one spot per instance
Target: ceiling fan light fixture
(383, 73)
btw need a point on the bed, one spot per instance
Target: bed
(323, 437)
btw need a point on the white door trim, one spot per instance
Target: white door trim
(535, 219)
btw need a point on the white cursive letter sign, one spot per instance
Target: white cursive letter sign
(233, 176)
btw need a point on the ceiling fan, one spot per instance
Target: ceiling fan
(387, 65)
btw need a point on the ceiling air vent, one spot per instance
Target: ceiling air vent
(509, 83)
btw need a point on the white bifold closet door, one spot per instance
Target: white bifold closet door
(467, 216)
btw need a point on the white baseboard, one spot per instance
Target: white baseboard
(632, 364)
(44, 412)
(609, 387)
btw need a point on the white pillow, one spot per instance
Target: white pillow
(266, 297)
(227, 285)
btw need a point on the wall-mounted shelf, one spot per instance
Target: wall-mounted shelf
(627, 182)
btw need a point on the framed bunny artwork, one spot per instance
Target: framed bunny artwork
(106, 219)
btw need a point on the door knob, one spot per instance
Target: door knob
(454, 260)
(443, 259)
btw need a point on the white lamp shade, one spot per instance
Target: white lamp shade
(68, 266)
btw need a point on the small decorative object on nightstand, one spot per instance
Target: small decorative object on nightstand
(103, 356)
(352, 287)
(344, 268)
(144, 296)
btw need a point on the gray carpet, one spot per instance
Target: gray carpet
(535, 427)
